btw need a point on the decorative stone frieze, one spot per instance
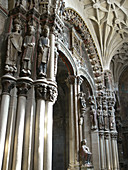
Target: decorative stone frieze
(8, 83)
(23, 86)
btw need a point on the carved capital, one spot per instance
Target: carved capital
(46, 90)
(71, 80)
(8, 83)
(52, 93)
(23, 86)
(101, 134)
(114, 135)
(106, 135)
(41, 91)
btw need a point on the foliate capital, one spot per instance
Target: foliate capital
(114, 135)
(23, 86)
(106, 135)
(46, 90)
(8, 83)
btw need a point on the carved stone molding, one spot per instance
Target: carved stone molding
(8, 83)
(23, 86)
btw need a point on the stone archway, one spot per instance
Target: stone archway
(61, 121)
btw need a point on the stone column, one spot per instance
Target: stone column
(48, 127)
(28, 149)
(107, 149)
(7, 84)
(7, 162)
(114, 151)
(41, 92)
(102, 150)
(71, 124)
(23, 85)
(50, 72)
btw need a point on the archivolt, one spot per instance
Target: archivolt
(78, 23)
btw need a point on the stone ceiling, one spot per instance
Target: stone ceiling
(107, 21)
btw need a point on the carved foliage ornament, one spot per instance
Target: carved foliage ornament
(45, 91)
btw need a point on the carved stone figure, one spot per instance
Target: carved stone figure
(100, 117)
(43, 54)
(93, 117)
(14, 44)
(82, 104)
(85, 153)
(29, 45)
(106, 119)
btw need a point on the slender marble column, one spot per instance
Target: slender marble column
(51, 98)
(71, 125)
(7, 85)
(107, 148)
(114, 150)
(10, 131)
(23, 85)
(27, 163)
(102, 150)
(41, 90)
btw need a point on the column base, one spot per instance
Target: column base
(74, 167)
(87, 167)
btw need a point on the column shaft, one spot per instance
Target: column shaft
(10, 132)
(76, 122)
(19, 134)
(29, 133)
(51, 59)
(3, 124)
(102, 152)
(39, 135)
(48, 136)
(108, 163)
(115, 152)
(71, 129)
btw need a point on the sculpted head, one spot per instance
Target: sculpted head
(46, 31)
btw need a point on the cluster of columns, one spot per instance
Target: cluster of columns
(107, 128)
(26, 120)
